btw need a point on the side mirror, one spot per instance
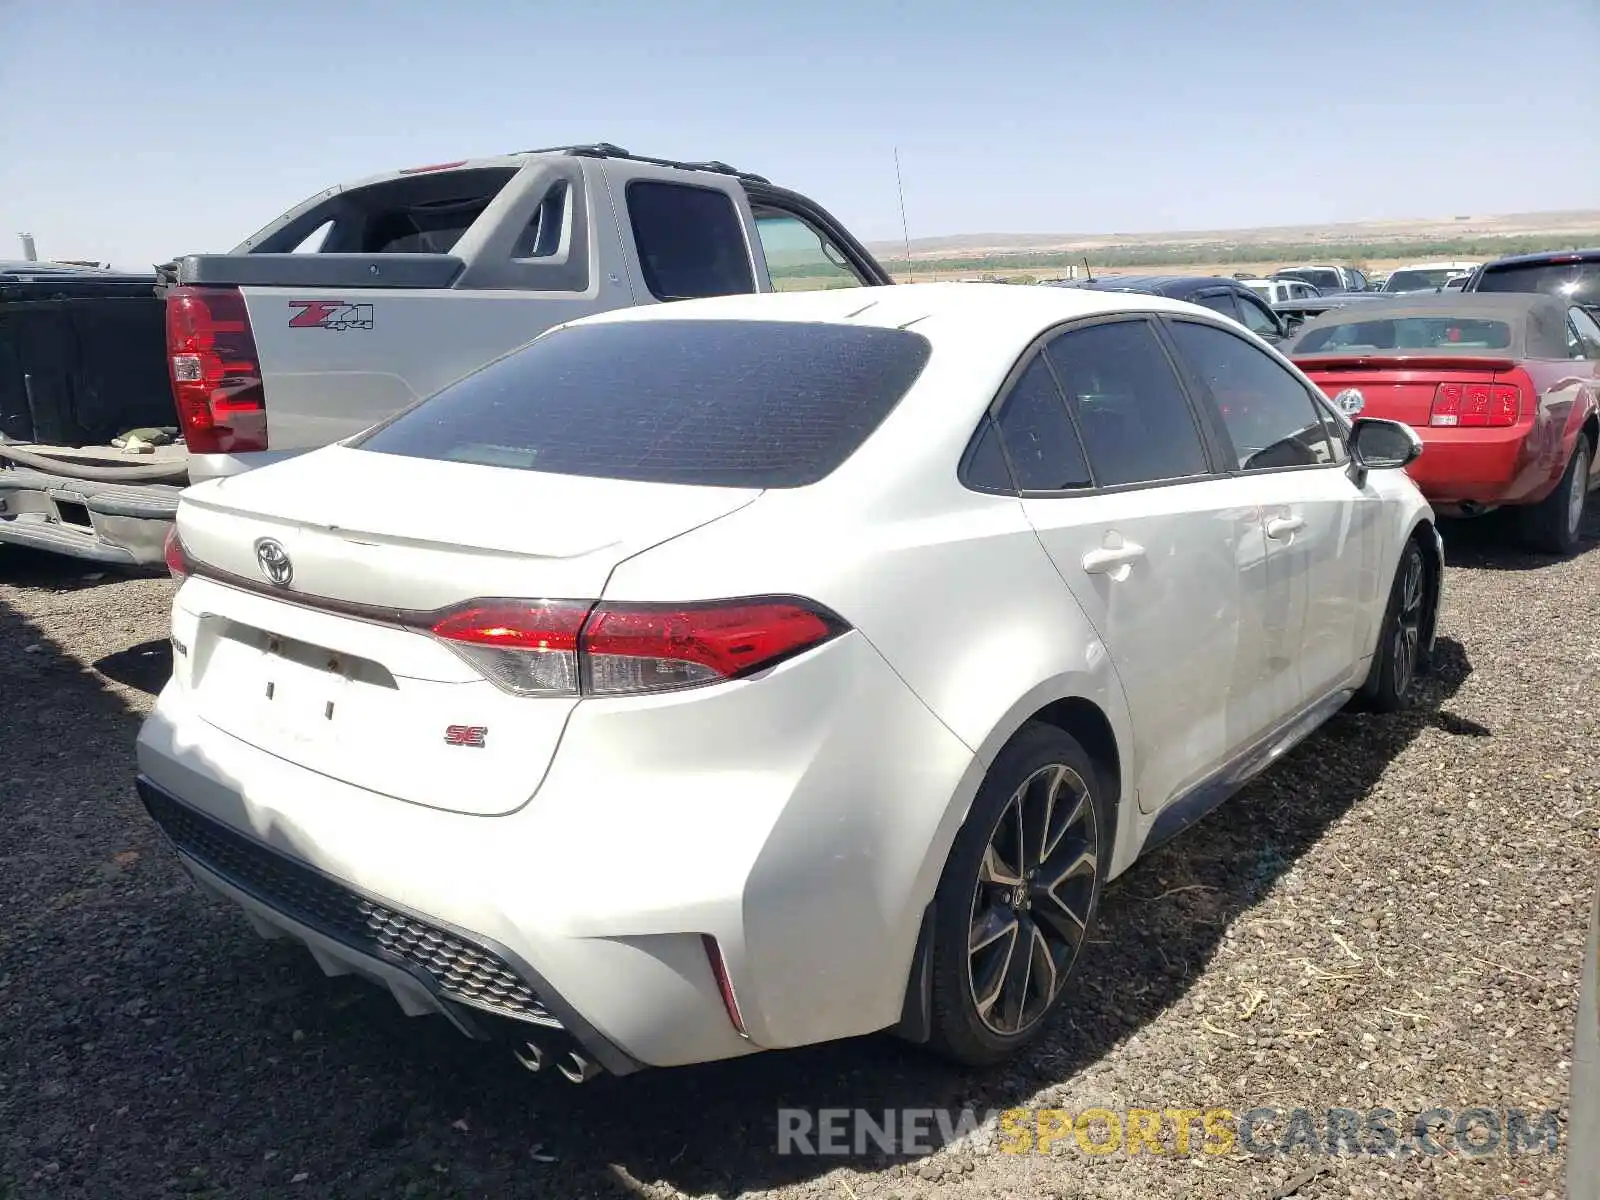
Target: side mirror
(1378, 445)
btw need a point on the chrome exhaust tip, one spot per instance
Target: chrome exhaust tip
(575, 1068)
(571, 1065)
(529, 1055)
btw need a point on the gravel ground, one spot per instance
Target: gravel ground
(1392, 917)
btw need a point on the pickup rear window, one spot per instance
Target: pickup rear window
(413, 214)
(747, 404)
(1320, 278)
(1576, 282)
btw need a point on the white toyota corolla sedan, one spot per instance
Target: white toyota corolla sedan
(752, 672)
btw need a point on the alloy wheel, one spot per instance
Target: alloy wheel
(1408, 622)
(1578, 492)
(1033, 899)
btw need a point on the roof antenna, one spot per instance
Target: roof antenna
(1087, 273)
(905, 230)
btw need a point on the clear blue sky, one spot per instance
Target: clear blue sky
(135, 131)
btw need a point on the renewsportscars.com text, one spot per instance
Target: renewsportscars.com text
(1263, 1131)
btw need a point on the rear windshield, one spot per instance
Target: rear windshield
(1578, 282)
(1327, 281)
(1407, 333)
(1419, 281)
(748, 404)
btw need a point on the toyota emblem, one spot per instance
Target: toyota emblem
(274, 562)
(1350, 401)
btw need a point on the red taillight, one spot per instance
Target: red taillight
(568, 648)
(177, 560)
(1476, 404)
(215, 371)
(649, 649)
(526, 647)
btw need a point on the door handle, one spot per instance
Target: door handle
(1108, 560)
(1279, 528)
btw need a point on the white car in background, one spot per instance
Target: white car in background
(1281, 291)
(1428, 276)
(766, 671)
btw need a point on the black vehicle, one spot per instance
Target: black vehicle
(1574, 275)
(1226, 296)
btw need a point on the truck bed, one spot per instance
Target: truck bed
(81, 361)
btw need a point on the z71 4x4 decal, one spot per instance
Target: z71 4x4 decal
(330, 314)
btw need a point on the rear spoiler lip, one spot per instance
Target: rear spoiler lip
(1403, 362)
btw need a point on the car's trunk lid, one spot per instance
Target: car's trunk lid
(1397, 388)
(336, 669)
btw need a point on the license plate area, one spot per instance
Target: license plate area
(301, 692)
(293, 692)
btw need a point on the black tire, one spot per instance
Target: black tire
(1399, 657)
(1553, 524)
(1042, 781)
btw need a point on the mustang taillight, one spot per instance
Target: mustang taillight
(1476, 404)
(571, 648)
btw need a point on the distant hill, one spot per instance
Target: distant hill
(1559, 227)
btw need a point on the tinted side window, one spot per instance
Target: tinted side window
(1256, 318)
(1128, 403)
(1220, 302)
(1338, 428)
(1038, 434)
(1588, 333)
(690, 239)
(985, 469)
(1269, 415)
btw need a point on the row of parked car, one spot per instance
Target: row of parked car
(855, 637)
(1311, 282)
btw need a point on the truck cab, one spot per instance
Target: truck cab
(363, 300)
(368, 297)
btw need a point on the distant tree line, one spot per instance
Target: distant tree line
(1230, 252)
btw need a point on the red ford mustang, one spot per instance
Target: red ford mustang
(1503, 388)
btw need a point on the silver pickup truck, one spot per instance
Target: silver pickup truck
(368, 297)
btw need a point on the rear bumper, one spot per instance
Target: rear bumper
(1480, 466)
(807, 847)
(427, 967)
(120, 524)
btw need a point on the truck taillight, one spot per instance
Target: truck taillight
(1476, 405)
(571, 648)
(215, 370)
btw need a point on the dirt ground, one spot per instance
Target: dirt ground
(1391, 917)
